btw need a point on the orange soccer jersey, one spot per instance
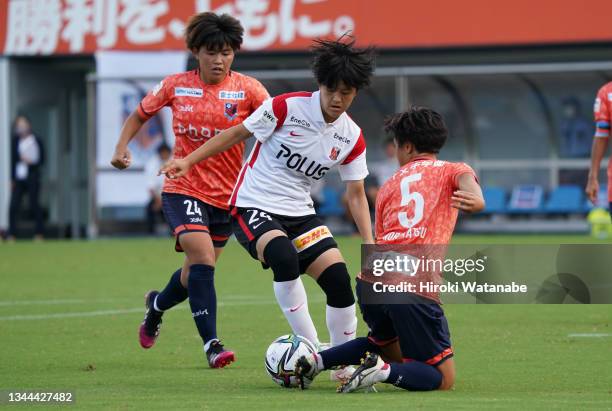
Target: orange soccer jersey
(414, 206)
(199, 112)
(603, 120)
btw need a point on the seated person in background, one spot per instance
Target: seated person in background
(154, 185)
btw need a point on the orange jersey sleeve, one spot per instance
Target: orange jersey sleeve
(257, 93)
(160, 96)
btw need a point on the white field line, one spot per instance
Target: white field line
(29, 317)
(101, 300)
(590, 335)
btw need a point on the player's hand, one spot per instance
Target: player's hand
(175, 168)
(122, 158)
(466, 201)
(592, 190)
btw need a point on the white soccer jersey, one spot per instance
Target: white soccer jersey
(295, 147)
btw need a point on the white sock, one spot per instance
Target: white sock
(341, 323)
(291, 297)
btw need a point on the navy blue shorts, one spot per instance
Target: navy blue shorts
(308, 234)
(186, 214)
(422, 329)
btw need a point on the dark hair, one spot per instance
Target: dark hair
(421, 126)
(213, 32)
(163, 147)
(338, 61)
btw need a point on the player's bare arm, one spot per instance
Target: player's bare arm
(179, 167)
(469, 197)
(598, 151)
(358, 204)
(122, 158)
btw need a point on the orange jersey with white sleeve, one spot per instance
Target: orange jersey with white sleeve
(200, 111)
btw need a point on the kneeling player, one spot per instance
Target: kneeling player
(426, 194)
(300, 137)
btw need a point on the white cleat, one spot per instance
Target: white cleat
(366, 375)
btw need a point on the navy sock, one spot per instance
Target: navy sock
(173, 294)
(414, 376)
(203, 300)
(349, 353)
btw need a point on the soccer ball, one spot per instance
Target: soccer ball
(282, 355)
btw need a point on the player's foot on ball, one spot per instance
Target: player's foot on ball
(219, 357)
(149, 329)
(306, 368)
(366, 375)
(342, 374)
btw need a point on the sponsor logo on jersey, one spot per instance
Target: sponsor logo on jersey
(310, 238)
(294, 134)
(158, 87)
(186, 108)
(341, 138)
(299, 121)
(335, 151)
(597, 105)
(231, 95)
(231, 110)
(268, 116)
(300, 163)
(196, 134)
(188, 92)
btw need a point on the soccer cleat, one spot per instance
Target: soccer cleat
(149, 329)
(306, 368)
(219, 357)
(366, 375)
(342, 374)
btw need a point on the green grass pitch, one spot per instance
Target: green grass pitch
(69, 313)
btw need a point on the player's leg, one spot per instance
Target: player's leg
(198, 247)
(425, 342)
(265, 239)
(330, 272)
(381, 335)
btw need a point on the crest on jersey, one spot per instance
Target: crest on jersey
(335, 152)
(231, 110)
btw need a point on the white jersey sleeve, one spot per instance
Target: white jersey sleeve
(262, 122)
(354, 167)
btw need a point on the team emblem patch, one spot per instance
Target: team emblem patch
(335, 152)
(311, 237)
(231, 110)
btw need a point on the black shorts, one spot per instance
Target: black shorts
(308, 234)
(422, 329)
(186, 214)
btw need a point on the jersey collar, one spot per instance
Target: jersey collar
(224, 82)
(422, 157)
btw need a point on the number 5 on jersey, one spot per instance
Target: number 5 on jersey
(411, 197)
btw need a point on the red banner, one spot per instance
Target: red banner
(31, 27)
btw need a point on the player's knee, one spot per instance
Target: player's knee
(198, 247)
(335, 282)
(280, 255)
